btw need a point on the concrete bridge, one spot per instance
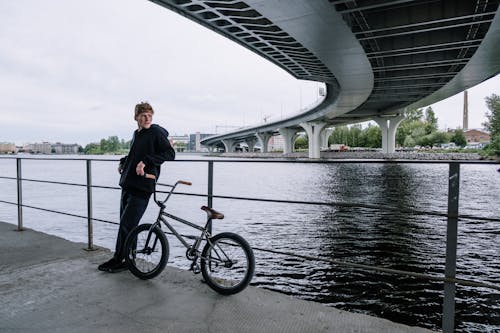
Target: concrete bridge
(376, 58)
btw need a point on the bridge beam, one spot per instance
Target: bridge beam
(289, 135)
(313, 130)
(264, 140)
(229, 145)
(388, 125)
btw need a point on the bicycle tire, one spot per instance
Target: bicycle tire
(146, 262)
(227, 263)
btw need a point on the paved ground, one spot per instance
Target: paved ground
(48, 284)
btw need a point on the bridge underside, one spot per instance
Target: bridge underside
(375, 57)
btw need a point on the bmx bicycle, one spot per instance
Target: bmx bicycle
(226, 261)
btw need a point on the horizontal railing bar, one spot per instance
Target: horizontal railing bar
(285, 160)
(51, 182)
(384, 270)
(45, 209)
(59, 212)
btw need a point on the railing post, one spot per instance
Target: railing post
(210, 189)
(448, 324)
(19, 196)
(89, 206)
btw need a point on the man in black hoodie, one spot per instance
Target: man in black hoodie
(150, 147)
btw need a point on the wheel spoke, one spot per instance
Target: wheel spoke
(227, 263)
(147, 250)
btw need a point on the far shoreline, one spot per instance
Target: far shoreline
(355, 155)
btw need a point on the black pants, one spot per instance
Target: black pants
(132, 207)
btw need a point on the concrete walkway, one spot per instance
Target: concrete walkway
(48, 284)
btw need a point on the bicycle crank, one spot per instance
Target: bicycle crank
(195, 267)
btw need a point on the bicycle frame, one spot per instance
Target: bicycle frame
(162, 215)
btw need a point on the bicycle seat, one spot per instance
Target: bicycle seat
(212, 213)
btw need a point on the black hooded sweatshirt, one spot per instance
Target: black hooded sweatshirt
(152, 147)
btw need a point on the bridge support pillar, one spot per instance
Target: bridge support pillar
(264, 140)
(324, 137)
(229, 145)
(289, 135)
(313, 130)
(251, 144)
(388, 125)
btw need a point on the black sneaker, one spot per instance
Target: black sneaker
(113, 266)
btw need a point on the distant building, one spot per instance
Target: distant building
(276, 143)
(179, 142)
(194, 141)
(7, 148)
(51, 148)
(476, 136)
(38, 148)
(64, 148)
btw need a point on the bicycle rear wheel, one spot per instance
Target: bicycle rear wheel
(227, 263)
(146, 251)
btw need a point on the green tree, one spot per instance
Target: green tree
(458, 138)
(113, 144)
(302, 142)
(409, 142)
(339, 135)
(493, 115)
(412, 128)
(355, 135)
(493, 124)
(431, 120)
(494, 147)
(413, 119)
(440, 138)
(413, 114)
(92, 149)
(103, 145)
(373, 137)
(419, 130)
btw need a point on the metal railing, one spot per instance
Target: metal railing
(452, 216)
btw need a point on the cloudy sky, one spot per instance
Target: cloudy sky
(72, 71)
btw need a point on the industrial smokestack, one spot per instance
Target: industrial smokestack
(466, 112)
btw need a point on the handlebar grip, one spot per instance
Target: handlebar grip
(150, 176)
(184, 182)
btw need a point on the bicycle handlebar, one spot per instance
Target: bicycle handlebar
(183, 182)
(172, 188)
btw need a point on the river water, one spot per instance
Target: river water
(380, 237)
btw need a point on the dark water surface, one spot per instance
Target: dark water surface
(385, 237)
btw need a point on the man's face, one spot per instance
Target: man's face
(144, 120)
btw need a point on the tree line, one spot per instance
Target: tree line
(419, 128)
(111, 145)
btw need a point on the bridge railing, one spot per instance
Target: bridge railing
(452, 215)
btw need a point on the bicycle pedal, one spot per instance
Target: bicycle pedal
(195, 268)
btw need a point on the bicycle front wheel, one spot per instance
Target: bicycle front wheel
(146, 251)
(227, 263)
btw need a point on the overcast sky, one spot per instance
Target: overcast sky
(72, 71)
